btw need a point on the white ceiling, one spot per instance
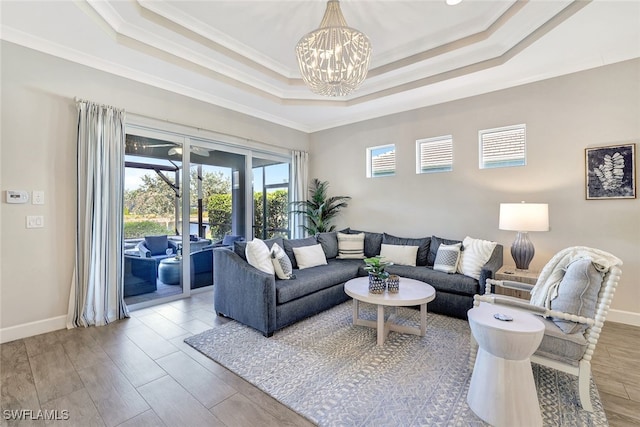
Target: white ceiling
(240, 54)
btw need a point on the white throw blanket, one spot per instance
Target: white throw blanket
(546, 288)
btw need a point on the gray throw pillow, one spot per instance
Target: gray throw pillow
(372, 242)
(435, 244)
(157, 245)
(289, 244)
(423, 245)
(329, 242)
(577, 294)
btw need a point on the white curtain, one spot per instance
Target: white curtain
(299, 189)
(96, 296)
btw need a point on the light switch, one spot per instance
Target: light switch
(35, 221)
(37, 198)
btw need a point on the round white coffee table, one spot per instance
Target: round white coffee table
(412, 292)
(502, 390)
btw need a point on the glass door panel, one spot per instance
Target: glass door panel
(270, 198)
(153, 239)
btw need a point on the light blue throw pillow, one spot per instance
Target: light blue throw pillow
(577, 294)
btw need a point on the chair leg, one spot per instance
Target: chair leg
(473, 352)
(584, 384)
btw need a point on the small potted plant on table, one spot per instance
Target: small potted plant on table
(377, 275)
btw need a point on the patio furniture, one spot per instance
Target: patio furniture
(139, 275)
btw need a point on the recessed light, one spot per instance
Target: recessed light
(453, 2)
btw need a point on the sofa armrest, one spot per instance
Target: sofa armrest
(243, 292)
(492, 266)
(144, 251)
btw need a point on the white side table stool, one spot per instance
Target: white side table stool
(502, 391)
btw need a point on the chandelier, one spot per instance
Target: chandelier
(334, 59)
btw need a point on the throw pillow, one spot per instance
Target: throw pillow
(281, 263)
(447, 258)
(329, 242)
(310, 256)
(258, 256)
(435, 244)
(240, 246)
(372, 242)
(157, 245)
(399, 254)
(350, 246)
(475, 255)
(423, 244)
(289, 244)
(577, 294)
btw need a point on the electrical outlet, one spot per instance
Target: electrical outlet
(37, 198)
(35, 221)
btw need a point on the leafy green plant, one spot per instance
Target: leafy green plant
(376, 266)
(320, 209)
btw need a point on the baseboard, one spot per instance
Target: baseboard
(626, 317)
(30, 329)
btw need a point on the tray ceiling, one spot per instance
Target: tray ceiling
(240, 54)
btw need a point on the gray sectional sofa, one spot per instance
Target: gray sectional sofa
(266, 303)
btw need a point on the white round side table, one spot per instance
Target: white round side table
(502, 390)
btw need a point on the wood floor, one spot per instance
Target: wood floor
(139, 372)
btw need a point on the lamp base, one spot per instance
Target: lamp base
(522, 250)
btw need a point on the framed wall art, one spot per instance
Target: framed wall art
(611, 172)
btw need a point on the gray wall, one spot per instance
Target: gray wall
(563, 117)
(39, 126)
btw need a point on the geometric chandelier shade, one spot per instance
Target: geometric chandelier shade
(334, 59)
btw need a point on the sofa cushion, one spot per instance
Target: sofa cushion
(351, 246)
(372, 242)
(311, 280)
(423, 245)
(281, 263)
(289, 244)
(329, 242)
(259, 256)
(475, 255)
(157, 245)
(442, 282)
(557, 345)
(577, 294)
(399, 254)
(239, 247)
(229, 239)
(309, 256)
(433, 248)
(447, 258)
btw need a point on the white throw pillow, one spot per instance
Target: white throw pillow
(309, 256)
(399, 254)
(476, 254)
(259, 256)
(281, 263)
(447, 258)
(350, 246)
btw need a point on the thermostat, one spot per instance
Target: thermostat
(17, 196)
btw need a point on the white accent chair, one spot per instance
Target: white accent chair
(566, 352)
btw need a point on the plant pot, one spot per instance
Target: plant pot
(393, 284)
(377, 284)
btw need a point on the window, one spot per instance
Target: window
(434, 154)
(381, 161)
(502, 147)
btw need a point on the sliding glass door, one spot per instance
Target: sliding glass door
(153, 240)
(270, 197)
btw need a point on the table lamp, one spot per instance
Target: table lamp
(523, 217)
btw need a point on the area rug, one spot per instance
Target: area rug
(334, 374)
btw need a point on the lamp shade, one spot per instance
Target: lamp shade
(524, 216)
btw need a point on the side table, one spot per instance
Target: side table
(509, 272)
(169, 270)
(502, 391)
